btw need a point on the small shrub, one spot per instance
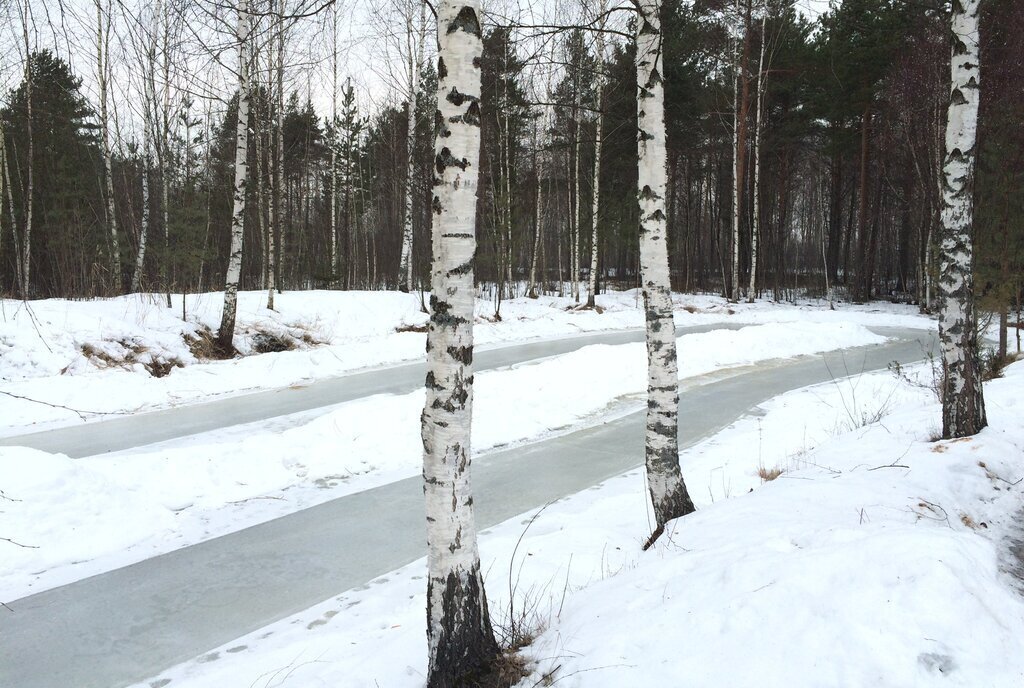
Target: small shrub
(769, 474)
(992, 364)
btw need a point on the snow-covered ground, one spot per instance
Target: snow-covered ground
(878, 557)
(143, 502)
(89, 359)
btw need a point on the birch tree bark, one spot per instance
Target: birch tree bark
(102, 73)
(598, 125)
(415, 61)
(741, 93)
(531, 290)
(277, 267)
(26, 251)
(664, 478)
(459, 634)
(333, 205)
(149, 107)
(963, 403)
(227, 322)
(762, 78)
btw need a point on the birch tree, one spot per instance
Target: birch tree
(148, 127)
(762, 78)
(661, 447)
(598, 125)
(459, 634)
(741, 93)
(227, 323)
(963, 403)
(102, 79)
(415, 42)
(26, 250)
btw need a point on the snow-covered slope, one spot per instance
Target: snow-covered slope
(99, 357)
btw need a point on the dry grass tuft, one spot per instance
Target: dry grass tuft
(505, 671)
(769, 474)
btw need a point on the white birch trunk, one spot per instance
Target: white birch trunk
(459, 632)
(736, 183)
(165, 146)
(277, 267)
(762, 78)
(227, 323)
(537, 226)
(963, 403)
(415, 57)
(664, 478)
(149, 107)
(335, 266)
(574, 260)
(598, 125)
(102, 70)
(26, 251)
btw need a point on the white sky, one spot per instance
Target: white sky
(371, 37)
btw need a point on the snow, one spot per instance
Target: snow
(179, 493)
(92, 356)
(878, 558)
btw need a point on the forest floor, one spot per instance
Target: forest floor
(834, 538)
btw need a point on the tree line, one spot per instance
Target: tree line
(802, 158)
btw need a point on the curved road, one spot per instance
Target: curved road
(127, 625)
(99, 437)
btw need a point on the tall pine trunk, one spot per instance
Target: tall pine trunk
(227, 322)
(664, 478)
(963, 402)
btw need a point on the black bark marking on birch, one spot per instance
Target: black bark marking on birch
(466, 20)
(442, 69)
(462, 354)
(445, 159)
(440, 313)
(463, 269)
(458, 99)
(431, 383)
(648, 194)
(472, 116)
(655, 78)
(466, 645)
(957, 97)
(435, 205)
(457, 235)
(646, 28)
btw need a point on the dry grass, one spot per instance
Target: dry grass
(769, 474)
(134, 354)
(203, 345)
(507, 669)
